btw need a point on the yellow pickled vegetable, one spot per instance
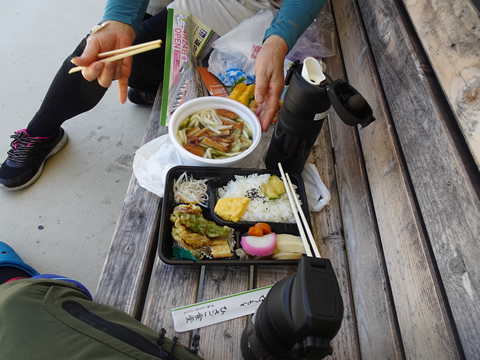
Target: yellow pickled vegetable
(243, 93)
(246, 95)
(237, 91)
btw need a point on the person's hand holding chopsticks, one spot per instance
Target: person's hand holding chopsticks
(114, 36)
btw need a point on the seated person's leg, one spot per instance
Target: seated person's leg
(147, 68)
(68, 96)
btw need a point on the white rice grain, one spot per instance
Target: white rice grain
(260, 208)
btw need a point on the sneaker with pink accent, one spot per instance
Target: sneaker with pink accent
(25, 160)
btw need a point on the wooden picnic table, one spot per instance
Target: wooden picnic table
(403, 224)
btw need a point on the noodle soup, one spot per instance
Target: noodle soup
(251, 126)
(213, 133)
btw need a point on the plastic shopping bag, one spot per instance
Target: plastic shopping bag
(233, 56)
(318, 195)
(152, 162)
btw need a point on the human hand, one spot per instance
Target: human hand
(116, 35)
(269, 78)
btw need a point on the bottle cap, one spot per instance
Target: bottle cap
(349, 104)
(312, 71)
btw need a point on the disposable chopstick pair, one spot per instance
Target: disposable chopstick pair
(123, 53)
(302, 223)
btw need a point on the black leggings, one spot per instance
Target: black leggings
(71, 95)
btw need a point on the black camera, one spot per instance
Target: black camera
(299, 317)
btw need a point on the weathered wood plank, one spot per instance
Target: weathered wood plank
(449, 31)
(328, 229)
(170, 287)
(126, 271)
(414, 290)
(222, 340)
(269, 275)
(449, 205)
(375, 317)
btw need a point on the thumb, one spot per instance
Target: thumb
(89, 55)
(260, 91)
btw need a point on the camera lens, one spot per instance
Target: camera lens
(271, 329)
(299, 316)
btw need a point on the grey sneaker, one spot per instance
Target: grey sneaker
(25, 160)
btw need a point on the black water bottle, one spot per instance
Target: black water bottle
(305, 107)
(299, 123)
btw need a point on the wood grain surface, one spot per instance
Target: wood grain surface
(329, 234)
(375, 312)
(126, 272)
(170, 287)
(222, 340)
(446, 194)
(449, 31)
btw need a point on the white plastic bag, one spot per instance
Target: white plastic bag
(152, 162)
(318, 195)
(233, 55)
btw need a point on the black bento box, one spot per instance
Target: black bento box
(218, 177)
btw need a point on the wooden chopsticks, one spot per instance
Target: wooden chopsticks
(123, 53)
(302, 223)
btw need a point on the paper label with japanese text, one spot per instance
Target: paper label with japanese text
(222, 309)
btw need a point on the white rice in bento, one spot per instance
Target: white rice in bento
(260, 208)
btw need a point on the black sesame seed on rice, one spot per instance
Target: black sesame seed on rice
(260, 207)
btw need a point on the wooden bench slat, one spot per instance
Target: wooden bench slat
(449, 206)
(450, 34)
(126, 272)
(328, 228)
(170, 287)
(222, 341)
(373, 307)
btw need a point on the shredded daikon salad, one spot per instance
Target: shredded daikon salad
(190, 190)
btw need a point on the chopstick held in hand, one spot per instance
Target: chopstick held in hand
(123, 53)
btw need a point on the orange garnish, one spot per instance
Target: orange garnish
(255, 231)
(265, 227)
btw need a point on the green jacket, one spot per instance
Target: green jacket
(50, 319)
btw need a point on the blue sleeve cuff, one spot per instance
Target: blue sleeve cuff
(293, 18)
(130, 12)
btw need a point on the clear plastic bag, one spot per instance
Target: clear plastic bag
(317, 41)
(233, 55)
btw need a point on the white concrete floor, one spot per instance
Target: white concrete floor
(63, 223)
